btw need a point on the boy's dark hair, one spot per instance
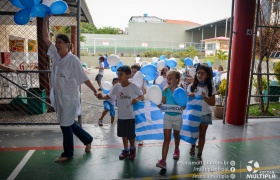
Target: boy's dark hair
(115, 79)
(126, 69)
(208, 81)
(102, 58)
(136, 66)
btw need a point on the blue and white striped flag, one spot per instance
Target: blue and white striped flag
(149, 121)
(191, 119)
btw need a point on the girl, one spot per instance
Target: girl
(202, 85)
(163, 73)
(218, 77)
(172, 120)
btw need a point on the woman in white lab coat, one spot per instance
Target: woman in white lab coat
(66, 76)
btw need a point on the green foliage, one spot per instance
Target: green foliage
(222, 92)
(151, 53)
(222, 55)
(210, 58)
(273, 110)
(191, 52)
(87, 28)
(276, 69)
(107, 30)
(177, 54)
(264, 83)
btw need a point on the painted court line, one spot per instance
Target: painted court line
(94, 146)
(21, 165)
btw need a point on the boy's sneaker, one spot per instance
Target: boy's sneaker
(132, 154)
(140, 143)
(124, 154)
(100, 122)
(199, 160)
(161, 164)
(176, 154)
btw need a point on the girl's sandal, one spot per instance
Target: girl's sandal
(192, 152)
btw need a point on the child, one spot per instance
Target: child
(218, 77)
(172, 120)
(109, 106)
(127, 94)
(202, 85)
(100, 72)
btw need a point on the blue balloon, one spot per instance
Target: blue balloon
(105, 91)
(150, 77)
(209, 63)
(188, 62)
(171, 63)
(162, 57)
(180, 96)
(58, 7)
(22, 17)
(40, 10)
(17, 3)
(214, 73)
(37, 2)
(27, 3)
(148, 69)
(114, 68)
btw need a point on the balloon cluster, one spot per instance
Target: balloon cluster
(33, 8)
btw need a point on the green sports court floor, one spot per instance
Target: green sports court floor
(251, 151)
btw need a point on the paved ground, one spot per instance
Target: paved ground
(28, 152)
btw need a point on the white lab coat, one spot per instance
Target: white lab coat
(66, 76)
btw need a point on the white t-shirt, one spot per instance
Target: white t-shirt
(206, 109)
(101, 65)
(124, 97)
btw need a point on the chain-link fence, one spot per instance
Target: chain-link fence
(265, 78)
(24, 96)
(134, 47)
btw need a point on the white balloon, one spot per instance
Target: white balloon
(138, 79)
(106, 85)
(155, 94)
(192, 71)
(195, 60)
(48, 2)
(159, 80)
(144, 63)
(172, 58)
(160, 65)
(154, 59)
(113, 60)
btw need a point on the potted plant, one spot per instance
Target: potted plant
(220, 101)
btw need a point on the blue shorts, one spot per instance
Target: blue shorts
(110, 107)
(206, 119)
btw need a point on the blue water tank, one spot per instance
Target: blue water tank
(145, 15)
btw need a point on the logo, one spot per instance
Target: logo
(255, 172)
(253, 166)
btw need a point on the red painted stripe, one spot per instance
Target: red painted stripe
(145, 144)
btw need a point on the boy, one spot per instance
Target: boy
(109, 106)
(127, 94)
(100, 72)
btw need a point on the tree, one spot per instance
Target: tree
(222, 55)
(267, 42)
(191, 52)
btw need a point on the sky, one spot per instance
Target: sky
(116, 13)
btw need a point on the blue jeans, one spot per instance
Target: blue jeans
(68, 142)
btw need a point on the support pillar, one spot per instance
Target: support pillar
(242, 43)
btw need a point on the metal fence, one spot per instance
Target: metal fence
(24, 96)
(264, 90)
(134, 47)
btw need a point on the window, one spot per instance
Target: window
(211, 46)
